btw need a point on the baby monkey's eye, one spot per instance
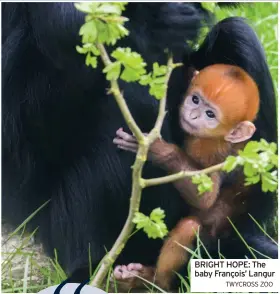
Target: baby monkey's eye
(210, 114)
(195, 99)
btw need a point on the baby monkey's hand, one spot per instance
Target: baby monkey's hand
(159, 153)
(125, 141)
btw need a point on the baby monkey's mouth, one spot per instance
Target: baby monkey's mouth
(185, 123)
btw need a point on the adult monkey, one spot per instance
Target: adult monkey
(58, 125)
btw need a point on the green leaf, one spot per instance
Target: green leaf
(88, 47)
(159, 70)
(250, 157)
(269, 167)
(249, 170)
(140, 220)
(121, 5)
(158, 90)
(86, 7)
(200, 189)
(252, 147)
(204, 183)
(113, 70)
(269, 182)
(259, 160)
(264, 144)
(155, 230)
(159, 81)
(153, 226)
(134, 66)
(230, 163)
(104, 22)
(157, 215)
(196, 179)
(88, 31)
(145, 79)
(91, 60)
(94, 50)
(252, 180)
(116, 31)
(209, 6)
(264, 157)
(129, 58)
(103, 32)
(120, 53)
(122, 30)
(81, 50)
(207, 185)
(273, 147)
(109, 8)
(130, 75)
(274, 159)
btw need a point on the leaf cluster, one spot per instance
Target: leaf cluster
(203, 182)
(103, 24)
(131, 62)
(130, 67)
(152, 225)
(259, 161)
(156, 80)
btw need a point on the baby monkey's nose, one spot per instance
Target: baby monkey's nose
(194, 114)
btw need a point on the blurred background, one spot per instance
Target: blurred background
(263, 17)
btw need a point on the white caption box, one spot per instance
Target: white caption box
(235, 275)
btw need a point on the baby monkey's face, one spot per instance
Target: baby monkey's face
(216, 104)
(202, 118)
(199, 116)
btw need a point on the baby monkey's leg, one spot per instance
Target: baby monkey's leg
(173, 256)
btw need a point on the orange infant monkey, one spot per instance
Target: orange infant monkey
(217, 116)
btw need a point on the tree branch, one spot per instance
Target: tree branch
(122, 239)
(115, 90)
(141, 156)
(180, 175)
(155, 132)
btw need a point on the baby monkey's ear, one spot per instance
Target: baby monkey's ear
(195, 73)
(241, 133)
(190, 73)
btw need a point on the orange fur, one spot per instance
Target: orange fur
(231, 89)
(210, 151)
(173, 256)
(236, 94)
(207, 151)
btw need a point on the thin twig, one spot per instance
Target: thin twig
(115, 90)
(180, 175)
(155, 132)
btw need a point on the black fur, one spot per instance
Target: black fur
(58, 124)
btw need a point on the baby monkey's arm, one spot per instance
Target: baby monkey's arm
(160, 152)
(173, 160)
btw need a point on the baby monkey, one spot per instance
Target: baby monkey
(217, 116)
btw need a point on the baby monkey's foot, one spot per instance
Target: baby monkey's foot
(128, 275)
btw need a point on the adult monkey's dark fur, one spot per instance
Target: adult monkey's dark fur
(59, 123)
